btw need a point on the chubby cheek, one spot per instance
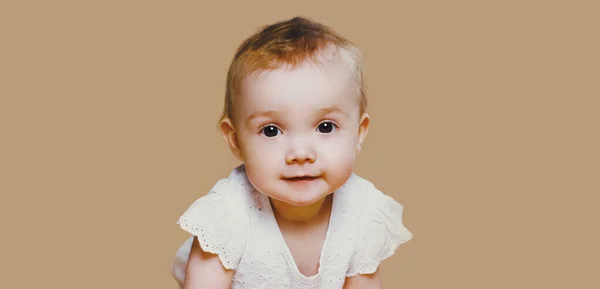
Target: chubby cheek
(258, 179)
(337, 157)
(262, 161)
(261, 153)
(260, 172)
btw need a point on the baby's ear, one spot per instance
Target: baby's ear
(363, 129)
(229, 135)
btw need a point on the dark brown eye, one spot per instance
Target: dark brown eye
(270, 131)
(326, 127)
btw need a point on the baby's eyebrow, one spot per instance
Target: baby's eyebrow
(265, 113)
(273, 113)
(331, 109)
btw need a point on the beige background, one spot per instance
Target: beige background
(485, 126)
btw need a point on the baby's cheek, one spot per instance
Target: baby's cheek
(264, 159)
(339, 152)
(258, 150)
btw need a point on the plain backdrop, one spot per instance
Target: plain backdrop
(485, 126)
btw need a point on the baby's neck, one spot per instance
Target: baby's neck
(302, 214)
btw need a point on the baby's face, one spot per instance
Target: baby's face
(299, 130)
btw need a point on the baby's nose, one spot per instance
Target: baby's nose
(300, 155)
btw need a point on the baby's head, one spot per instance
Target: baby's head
(295, 110)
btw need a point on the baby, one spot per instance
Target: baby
(293, 214)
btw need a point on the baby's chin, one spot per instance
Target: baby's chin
(296, 201)
(300, 195)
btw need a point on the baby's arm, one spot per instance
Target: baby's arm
(363, 281)
(204, 270)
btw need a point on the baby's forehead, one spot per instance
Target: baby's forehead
(303, 85)
(315, 84)
(309, 76)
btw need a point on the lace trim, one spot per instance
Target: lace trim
(384, 234)
(221, 235)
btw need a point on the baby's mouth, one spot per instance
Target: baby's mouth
(301, 178)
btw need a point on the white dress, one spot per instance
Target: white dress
(236, 222)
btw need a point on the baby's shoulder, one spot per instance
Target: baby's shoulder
(380, 228)
(220, 220)
(223, 199)
(369, 198)
(227, 198)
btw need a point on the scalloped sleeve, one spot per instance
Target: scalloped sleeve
(382, 233)
(217, 220)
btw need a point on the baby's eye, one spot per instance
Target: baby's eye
(326, 127)
(270, 131)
